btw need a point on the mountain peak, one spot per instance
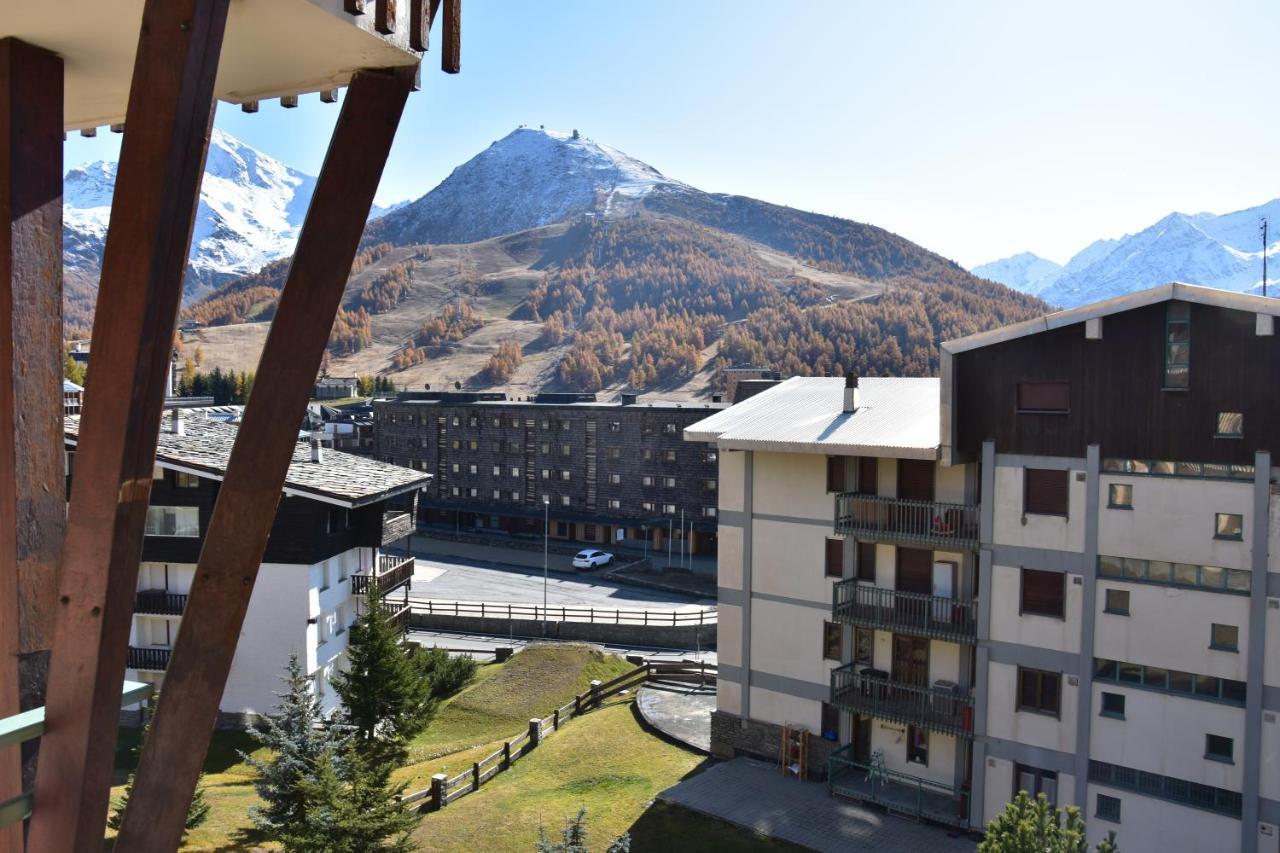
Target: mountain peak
(1024, 271)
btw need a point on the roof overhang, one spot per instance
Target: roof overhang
(271, 48)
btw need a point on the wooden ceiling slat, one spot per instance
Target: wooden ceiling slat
(451, 55)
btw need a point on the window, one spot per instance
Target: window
(711, 457)
(670, 428)
(835, 558)
(546, 449)
(1219, 748)
(473, 445)
(565, 450)
(615, 453)
(1108, 808)
(830, 721)
(565, 475)
(497, 494)
(473, 492)
(866, 568)
(864, 643)
(564, 426)
(457, 444)
(918, 745)
(708, 512)
(669, 455)
(1177, 346)
(835, 474)
(1039, 691)
(546, 424)
(1224, 638)
(646, 480)
(497, 470)
(1230, 425)
(615, 426)
(1212, 578)
(669, 509)
(565, 500)
(614, 503)
(173, 521)
(1186, 684)
(324, 575)
(473, 422)
(1113, 705)
(1039, 397)
(1043, 593)
(615, 479)
(456, 467)
(546, 473)
(831, 636)
(1117, 601)
(183, 480)
(589, 532)
(497, 446)
(668, 482)
(1044, 491)
(709, 485)
(1120, 496)
(515, 496)
(647, 506)
(647, 454)
(1035, 781)
(337, 520)
(515, 423)
(515, 472)
(455, 491)
(455, 420)
(471, 469)
(1166, 468)
(497, 422)
(1228, 525)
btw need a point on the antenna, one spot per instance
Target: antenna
(1262, 228)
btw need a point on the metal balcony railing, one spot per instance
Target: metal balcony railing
(393, 572)
(160, 602)
(932, 616)
(149, 658)
(939, 525)
(943, 710)
(901, 793)
(396, 526)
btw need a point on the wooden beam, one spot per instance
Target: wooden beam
(249, 106)
(329, 96)
(419, 24)
(451, 31)
(384, 16)
(353, 7)
(245, 510)
(32, 510)
(169, 116)
(289, 102)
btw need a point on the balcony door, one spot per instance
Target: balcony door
(910, 660)
(915, 571)
(915, 479)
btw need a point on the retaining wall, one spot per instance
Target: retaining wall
(668, 636)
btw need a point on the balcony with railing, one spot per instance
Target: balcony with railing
(154, 659)
(938, 525)
(393, 572)
(944, 710)
(398, 612)
(396, 526)
(934, 616)
(159, 602)
(900, 793)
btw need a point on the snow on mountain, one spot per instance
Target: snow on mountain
(1022, 271)
(526, 179)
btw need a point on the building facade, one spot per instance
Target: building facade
(1082, 607)
(608, 472)
(328, 547)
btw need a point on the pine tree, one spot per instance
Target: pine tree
(386, 696)
(350, 806)
(573, 838)
(1035, 826)
(296, 738)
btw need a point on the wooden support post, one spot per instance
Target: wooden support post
(595, 692)
(384, 16)
(535, 732)
(475, 775)
(161, 160)
(506, 755)
(451, 32)
(439, 796)
(32, 509)
(242, 517)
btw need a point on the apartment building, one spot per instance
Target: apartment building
(606, 473)
(1103, 483)
(328, 547)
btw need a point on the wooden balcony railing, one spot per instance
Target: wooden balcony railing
(396, 526)
(901, 793)
(160, 602)
(149, 658)
(939, 525)
(906, 612)
(868, 692)
(393, 572)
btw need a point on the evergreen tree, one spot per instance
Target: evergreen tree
(73, 370)
(350, 806)
(1035, 826)
(386, 696)
(573, 838)
(197, 812)
(296, 738)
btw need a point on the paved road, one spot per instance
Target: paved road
(487, 643)
(458, 578)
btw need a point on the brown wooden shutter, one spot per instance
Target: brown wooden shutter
(1043, 592)
(915, 479)
(1045, 491)
(915, 570)
(1044, 396)
(835, 473)
(835, 558)
(868, 474)
(867, 561)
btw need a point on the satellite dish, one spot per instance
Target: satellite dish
(457, 386)
(426, 386)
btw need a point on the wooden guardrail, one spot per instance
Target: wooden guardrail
(535, 612)
(445, 789)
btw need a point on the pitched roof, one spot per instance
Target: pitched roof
(341, 478)
(895, 417)
(1129, 301)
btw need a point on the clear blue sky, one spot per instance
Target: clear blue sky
(975, 129)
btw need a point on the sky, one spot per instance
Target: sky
(976, 129)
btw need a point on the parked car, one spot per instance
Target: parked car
(591, 559)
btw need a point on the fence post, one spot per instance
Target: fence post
(475, 775)
(555, 725)
(595, 692)
(577, 704)
(506, 755)
(535, 732)
(437, 790)
(646, 616)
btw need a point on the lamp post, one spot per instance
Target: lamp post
(546, 532)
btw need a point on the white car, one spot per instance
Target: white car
(590, 559)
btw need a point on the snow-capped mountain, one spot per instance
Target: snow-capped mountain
(1021, 271)
(1223, 251)
(526, 179)
(251, 209)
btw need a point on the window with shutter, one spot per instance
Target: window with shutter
(915, 571)
(1045, 491)
(868, 475)
(867, 561)
(1043, 593)
(915, 479)
(1044, 396)
(835, 558)
(835, 473)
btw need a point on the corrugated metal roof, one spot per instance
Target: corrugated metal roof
(895, 417)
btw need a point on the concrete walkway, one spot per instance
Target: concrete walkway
(680, 711)
(755, 795)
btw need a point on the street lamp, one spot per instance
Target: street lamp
(546, 532)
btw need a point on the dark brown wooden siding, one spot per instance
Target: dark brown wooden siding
(1117, 396)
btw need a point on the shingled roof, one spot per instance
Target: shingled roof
(340, 478)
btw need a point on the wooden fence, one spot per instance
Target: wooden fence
(489, 610)
(445, 789)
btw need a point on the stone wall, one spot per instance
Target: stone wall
(732, 736)
(666, 636)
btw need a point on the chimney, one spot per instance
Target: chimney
(177, 424)
(317, 446)
(851, 392)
